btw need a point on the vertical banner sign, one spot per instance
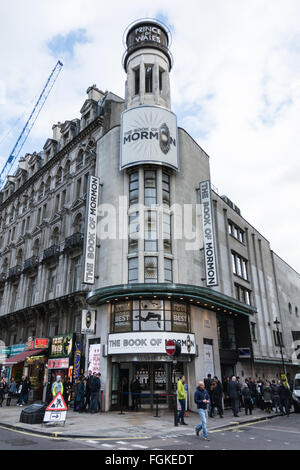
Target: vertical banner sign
(77, 357)
(90, 235)
(208, 235)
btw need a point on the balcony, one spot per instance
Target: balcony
(51, 252)
(14, 272)
(31, 263)
(74, 241)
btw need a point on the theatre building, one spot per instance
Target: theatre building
(165, 257)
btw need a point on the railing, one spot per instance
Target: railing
(74, 241)
(51, 252)
(31, 263)
(15, 271)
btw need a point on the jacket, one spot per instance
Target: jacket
(56, 389)
(181, 393)
(234, 390)
(199, 396)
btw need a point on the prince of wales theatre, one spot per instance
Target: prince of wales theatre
(166, 259)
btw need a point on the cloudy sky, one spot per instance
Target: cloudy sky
(235, 88)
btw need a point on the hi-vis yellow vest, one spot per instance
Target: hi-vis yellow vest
(54, 389)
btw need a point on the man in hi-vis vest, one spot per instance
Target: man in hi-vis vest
(57, 386)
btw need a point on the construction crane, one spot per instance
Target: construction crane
(30, 122)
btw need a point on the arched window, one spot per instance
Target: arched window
(67, 169)
(290, 308)
(59, 176)
(48, 184)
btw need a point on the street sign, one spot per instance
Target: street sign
(56, 411)
(170, 347)
(57, 404)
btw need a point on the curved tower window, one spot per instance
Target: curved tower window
(133, 188)
(150, 196)
(148, 78)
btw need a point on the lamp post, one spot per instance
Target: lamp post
(277, 323)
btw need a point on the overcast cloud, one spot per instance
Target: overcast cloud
(235, 88)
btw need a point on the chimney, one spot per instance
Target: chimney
(94, 93)
(56, 131)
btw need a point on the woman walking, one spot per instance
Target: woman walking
(248, 400)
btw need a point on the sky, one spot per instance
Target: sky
(235, 87)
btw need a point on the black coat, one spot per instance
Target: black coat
(234, 390)
(135, 386)
(217, 393)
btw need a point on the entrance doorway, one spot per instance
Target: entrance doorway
(156, 378)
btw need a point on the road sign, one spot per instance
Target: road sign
(56, 411)
(170, 347)
(57, 404)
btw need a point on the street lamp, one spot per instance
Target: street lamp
(277, 323)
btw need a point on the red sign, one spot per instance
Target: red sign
(40, 343)
(170, 347)
(58, 363)
(57, 404)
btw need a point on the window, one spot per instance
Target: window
(51, 280)
(150, 229)
(148, 78)
(76, 269)
(236, 232)
(78, 187)
(167, 233)
(133, 235)
(32, 290)
(290, 308)
(150, 188)
(226, 332)
(150, 315)
(168, 270)
(150, 269)
(133, 188)
(242, 294)
(296, 312)
(137, 81)
(160, 77)
(166, 188)
(133, 270)
(239, 265)
(278, 338)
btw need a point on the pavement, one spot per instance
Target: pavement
(126, 425)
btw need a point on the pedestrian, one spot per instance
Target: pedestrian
(241, 404)
(3, 389)
(234, 395)
(284, 397)
(260, 386)
(267, 396)
(201, 398)
(248, 400)
(99, 394)
(211, 405)
(253, 391)
(135, 388)
(217, 396)
(23, 390)
(57, 387)
(87, 403)
(67, 386)
(95, 389)
(275, 396)
(12, 391)
(181, 395)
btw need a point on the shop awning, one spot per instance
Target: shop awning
(21, 357)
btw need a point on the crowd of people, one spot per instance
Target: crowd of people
(11, 389)
(85, 392)
(212, 396)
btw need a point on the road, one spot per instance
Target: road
(280, 433)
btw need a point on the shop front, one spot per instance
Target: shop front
(61, 360)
